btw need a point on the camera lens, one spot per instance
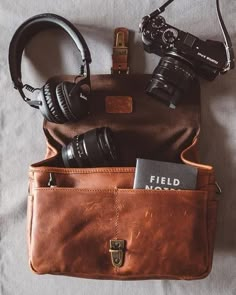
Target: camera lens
(171, 79)
(94, 148)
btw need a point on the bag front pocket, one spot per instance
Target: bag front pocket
(165, 232)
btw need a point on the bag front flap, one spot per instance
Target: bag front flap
(150, 129)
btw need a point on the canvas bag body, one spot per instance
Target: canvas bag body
(167, 234)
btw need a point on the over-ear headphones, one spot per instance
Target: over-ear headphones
(59, 103)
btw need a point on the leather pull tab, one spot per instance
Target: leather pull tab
(120, 51)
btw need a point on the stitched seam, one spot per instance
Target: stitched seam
(206, 232)
(74, 189)
(31, 223)
(207, 226)
(131, 191)
(83, 171)
(174, 192)
(116, 222)
(117, 215)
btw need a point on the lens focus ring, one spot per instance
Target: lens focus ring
(94, 148)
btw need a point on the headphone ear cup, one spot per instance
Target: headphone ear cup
(50, 107)
(62, 98)
(73, 104)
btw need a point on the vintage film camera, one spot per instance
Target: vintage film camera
(184, 57)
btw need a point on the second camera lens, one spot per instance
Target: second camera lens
(94, 148)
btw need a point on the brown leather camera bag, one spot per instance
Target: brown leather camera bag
(93, 224)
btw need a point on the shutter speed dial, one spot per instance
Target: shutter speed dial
(169, 36)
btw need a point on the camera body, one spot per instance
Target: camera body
(207, 57)
(184, 57)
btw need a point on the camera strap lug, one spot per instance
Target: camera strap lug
(120, 52)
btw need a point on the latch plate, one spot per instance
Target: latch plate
(117, 250)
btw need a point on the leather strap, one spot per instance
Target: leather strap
(120, 52)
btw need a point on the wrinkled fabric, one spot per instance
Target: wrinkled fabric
(22, 139)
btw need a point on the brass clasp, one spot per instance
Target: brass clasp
(117, 250)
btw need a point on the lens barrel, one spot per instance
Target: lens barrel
(94, 148)
(171, 79)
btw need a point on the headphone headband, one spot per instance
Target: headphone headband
(31, 27)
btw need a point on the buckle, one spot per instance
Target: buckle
(120, 52)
